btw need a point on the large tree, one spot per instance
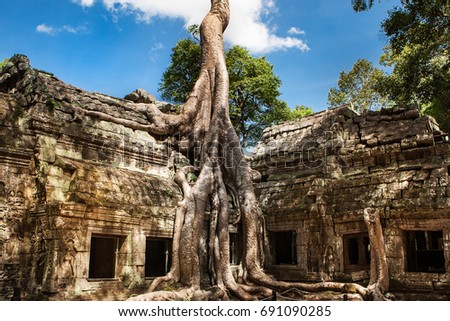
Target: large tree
(419, 55)
(360, 88)
(254, 95)
(180, 76)
(419, 52)
(223, 174)
(254, 88)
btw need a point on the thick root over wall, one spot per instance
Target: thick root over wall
(220, 170)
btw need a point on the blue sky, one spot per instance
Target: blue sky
(117, 46)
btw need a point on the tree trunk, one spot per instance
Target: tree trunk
(379, 274)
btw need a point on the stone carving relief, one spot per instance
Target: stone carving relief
(67, 265)
(39, 250)
(11, 222)
(328, 264)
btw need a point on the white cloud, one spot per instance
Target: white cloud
(84, 3)
(156, 47)
(246, 28)
(154, 52)
(43, 28)
(295, 31)
(69, 29)
(51, 30)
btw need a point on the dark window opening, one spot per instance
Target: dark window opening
(235, 248)
(284, 247)
(353, 250)
(103, 256)
(448, 170)
(425, 251)
(157, 257)
(40, 268)
(356, 252)
(2, 189)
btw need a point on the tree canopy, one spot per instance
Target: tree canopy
(298, 112)
(362, 5)
(418, 52)
(254, 96)
(359, 87)
(180, 76)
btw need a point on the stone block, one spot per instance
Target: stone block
(408, 165)
(370, 161)
(425, 139)
(418, 283)
(383, 159)
(411, 114)
(408, 143)
(372, 142)
(421, 175)
(442, 149)
(47, 148)
(442, 286)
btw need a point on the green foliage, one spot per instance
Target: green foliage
(439, 109)
(3, 62)
(179, 78)
(360, 87)
(254, 88)
(52, 104)
(298, 112)
(362, 5)
(419, 52)
(254, 92)
(171, 287)
(194, 30)
(168, 192)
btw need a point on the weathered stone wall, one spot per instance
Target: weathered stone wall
(72, 165)
(77, 165)
(321, 172)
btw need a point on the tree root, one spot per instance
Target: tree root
(185, 294)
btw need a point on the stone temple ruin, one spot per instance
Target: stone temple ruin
(87, 198)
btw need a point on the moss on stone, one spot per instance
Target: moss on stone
(3, 62)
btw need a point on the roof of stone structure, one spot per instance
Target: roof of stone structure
(89, 148)
(394, 158)
(341, 131)
(31, 86)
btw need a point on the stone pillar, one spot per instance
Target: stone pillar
(395, 250)
(446, 237)
(138, 239)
